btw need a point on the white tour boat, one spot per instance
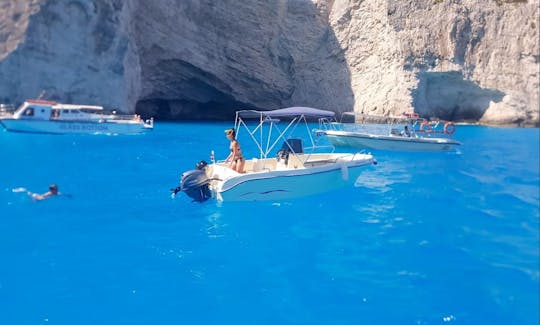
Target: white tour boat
(43, 116)
(295, 171)
(416, 134)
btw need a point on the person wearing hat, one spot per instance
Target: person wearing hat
(235, 158)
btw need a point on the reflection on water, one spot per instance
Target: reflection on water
(382, 179)
(215, 228)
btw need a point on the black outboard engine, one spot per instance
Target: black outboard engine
(195, 183)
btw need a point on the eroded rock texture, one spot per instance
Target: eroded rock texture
(461, 60)
(453, 59)
(74, 51)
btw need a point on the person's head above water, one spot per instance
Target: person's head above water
(53, 188)
(53, 191)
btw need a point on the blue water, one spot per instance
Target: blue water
(427, 238)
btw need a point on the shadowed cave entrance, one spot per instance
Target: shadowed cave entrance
(181, 109)
(447, 95)
(183, 91)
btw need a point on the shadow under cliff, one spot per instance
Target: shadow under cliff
(205, 61)
(204, 96)
(449, 96)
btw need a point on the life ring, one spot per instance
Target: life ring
(449, 128)
(426, 125)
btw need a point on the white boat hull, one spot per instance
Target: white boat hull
(297, 171)
(390, 142)
(61, 127)
(278, 185)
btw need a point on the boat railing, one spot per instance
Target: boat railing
(7, 109)
(123, 117)
(126, 117)
(438, 127)
(418, 126)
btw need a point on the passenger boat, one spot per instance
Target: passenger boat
(294, 171)
(43, 116)
(414, 134)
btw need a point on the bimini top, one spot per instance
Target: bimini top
(287, 112)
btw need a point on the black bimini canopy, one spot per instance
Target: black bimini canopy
(288, 112)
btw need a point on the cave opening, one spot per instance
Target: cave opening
(449, 96)
(187, 110)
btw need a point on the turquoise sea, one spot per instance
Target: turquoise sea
(426, 238)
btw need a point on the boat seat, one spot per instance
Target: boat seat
(256, 165)
(295, 161)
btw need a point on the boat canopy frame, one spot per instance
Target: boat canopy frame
(412, 120)
(295, 117)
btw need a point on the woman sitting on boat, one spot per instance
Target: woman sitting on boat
(235, 157)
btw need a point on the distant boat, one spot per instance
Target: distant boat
(294, 171)
(43, 116)
(416, 134)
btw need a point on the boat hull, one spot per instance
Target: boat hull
(287, 184)
(393, 143)
(74, 127)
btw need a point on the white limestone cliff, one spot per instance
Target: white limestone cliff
(455, 59)
(464, 60)
(74, 51)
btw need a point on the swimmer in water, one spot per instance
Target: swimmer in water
(53, 191)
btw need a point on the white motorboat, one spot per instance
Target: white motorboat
(296, 171)
(415, 134)
(43, 116)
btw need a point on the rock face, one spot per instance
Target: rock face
(452, 59)
(460, 60)
(200, 58)
(73, 51)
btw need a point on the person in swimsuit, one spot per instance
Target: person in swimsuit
(53, 191)
(235, 158)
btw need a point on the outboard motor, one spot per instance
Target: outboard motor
(195, 183)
